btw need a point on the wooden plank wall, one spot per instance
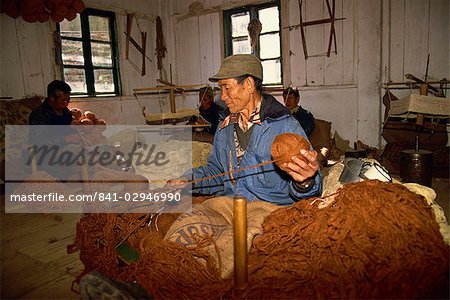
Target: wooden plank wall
(418, 28)
(407, 29)
(319, 70)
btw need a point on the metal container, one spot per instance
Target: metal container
(416, 166)
(352, 169)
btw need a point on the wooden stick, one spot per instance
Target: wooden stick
(332, 30)
(168, 87)
(240, 245)
(144, 47)
(128, 35)
(314, 22)
(302, 31)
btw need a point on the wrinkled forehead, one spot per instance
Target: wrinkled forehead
(227, 82)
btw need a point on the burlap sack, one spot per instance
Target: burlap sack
(210, 225)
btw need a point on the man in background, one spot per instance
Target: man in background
(291, 98)
(208, 109)
(53, 111)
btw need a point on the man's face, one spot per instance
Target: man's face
(236, 96)
(59, 101)
(291, 101)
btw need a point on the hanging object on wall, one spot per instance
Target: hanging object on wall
(254, 29)
(160, 44)
(42, 10)
(331, 19)
(141, 48)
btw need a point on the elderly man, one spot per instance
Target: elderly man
(244, 138)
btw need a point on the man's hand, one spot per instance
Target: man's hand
(303, 168)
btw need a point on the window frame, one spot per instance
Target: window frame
(253, 12)
(88, 66)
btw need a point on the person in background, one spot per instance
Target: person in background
(244, 139)
(291, 98)
(209, 110)
(53, 111)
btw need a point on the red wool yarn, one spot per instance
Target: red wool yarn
(287, 145)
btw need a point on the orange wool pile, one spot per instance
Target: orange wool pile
(376, 240)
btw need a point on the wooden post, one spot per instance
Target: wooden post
(173, 108)
(240, 245)
(424, 89)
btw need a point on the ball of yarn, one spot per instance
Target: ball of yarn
(287, 145)
(76, 113)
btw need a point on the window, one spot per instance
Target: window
(89, 54)
(237, 40)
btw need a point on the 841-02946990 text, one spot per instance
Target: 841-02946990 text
(139, 197)
(98, 196)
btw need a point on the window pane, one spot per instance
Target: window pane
(101, 54)
(271, 71)
(269, 18)
(269, 45)
(76, 79)
(241, 47)
(71, 28)
(99, 28)
(104, 81)
(239, 23)
(72, 52)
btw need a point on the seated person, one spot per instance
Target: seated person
(53, 111)
(209, 110)
(244, 139)
(291, 98)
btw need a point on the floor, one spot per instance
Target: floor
(34, 262)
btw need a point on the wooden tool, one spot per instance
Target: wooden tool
(240, 245)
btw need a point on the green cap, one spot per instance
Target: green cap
(238, 65)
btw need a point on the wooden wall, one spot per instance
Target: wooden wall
(379, 40)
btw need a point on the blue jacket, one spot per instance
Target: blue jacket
(267, 182)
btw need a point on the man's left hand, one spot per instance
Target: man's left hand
(301, 169)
